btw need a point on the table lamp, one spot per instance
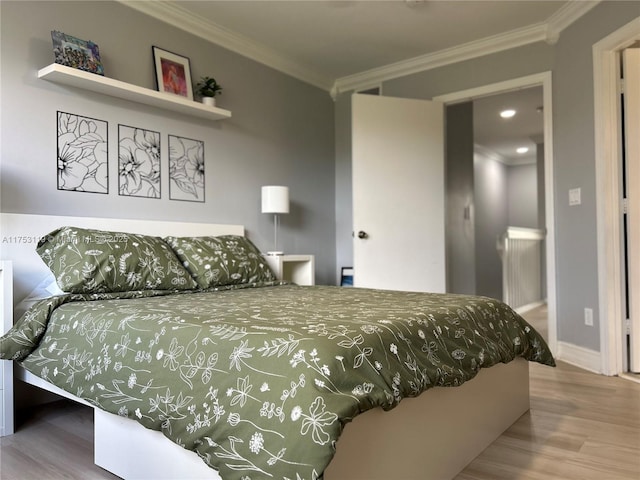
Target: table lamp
(275, 199)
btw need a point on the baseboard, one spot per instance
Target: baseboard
(584, 358)
(529, 306)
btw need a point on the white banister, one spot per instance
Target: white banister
(521, 253)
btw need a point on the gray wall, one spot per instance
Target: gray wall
(570, 61)
(542, 215)
(460, 231)
(344, 211)
(281, 131)
(574, 166)
(490, 191)
(522, 195)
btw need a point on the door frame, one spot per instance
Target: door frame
(540, 79)
(608, 148)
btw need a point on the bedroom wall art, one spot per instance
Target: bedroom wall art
(83, 153)
(138, 162)
(186, 169)
(173, 73)
(76, 53)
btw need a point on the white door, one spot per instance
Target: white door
(631, 59)
(398, 193)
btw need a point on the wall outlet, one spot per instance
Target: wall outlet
(575, 197)
(588, 317)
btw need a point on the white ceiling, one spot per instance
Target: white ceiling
(342, 45)
(503, 136)
(336, 39)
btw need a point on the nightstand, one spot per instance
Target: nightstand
(299, 269)
(6, 367)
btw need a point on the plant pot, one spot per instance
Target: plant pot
(211, 101)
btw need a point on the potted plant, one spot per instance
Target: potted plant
(208, 88)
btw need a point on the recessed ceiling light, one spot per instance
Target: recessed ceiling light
(507, 113)
(522, 150)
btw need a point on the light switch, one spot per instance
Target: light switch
(574, 196)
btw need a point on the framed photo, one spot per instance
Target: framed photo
(173, 73)
(76, 53)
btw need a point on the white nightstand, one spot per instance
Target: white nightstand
(299, 269)
(6, 367)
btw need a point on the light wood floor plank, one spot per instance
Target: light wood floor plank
(581, 426)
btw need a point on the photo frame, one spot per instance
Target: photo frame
(173, 73)
(77, 53)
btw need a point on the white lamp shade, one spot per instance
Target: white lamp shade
(275, 199)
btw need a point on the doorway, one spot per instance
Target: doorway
(606, 68)
(509, 196)
(542, 80)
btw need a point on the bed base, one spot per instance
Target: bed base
(433, 436)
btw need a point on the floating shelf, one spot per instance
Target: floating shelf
(73, 77)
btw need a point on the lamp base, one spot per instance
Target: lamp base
(275, 253)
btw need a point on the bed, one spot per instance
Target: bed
(261, 378)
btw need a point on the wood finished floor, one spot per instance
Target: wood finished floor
(581, 426)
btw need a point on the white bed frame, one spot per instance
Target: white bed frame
(433, 436)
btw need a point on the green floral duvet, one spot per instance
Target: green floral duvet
(261, 380)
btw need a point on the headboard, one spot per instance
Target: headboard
(20, 233)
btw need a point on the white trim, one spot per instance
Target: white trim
(505, 86)
(467, 51)
(548, 31)
(564, 17)
(529, 306)
(630, 376)
(543, 79)
(178, 16)
(172, 13)
(490, 154)
(608, 193)
(579, 356)
(509, 162)
(522, 233)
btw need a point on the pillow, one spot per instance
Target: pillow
(221, 260)
(95, 261)
(45, 289)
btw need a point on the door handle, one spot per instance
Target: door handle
(362, 234)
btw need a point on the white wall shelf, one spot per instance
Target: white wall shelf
(73, 77)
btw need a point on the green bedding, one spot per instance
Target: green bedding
(261, 381)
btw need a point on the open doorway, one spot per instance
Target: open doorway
(538, 88)
(608, 145)
(509, 200)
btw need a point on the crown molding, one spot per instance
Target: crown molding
(489, 154)
(548, 31)
(172, 13)
(467, 51)
(564, 17)
(495, 156)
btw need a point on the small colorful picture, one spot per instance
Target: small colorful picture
(83, 154)
(138, 162)
(186, 169)
(173, 73)
(76, 53)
